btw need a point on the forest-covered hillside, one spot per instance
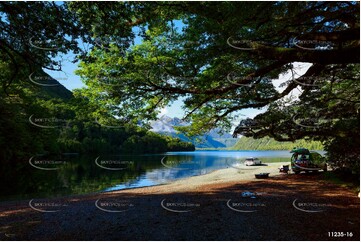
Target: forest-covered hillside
(45, 118)
(267, 143)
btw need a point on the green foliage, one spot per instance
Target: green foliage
(248, 143)
(175, 144)
(344, 153)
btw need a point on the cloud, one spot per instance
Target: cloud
(300, 68)
(163, 112)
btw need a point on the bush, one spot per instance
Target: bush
(344, 153)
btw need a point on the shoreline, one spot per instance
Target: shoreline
(220, 176)
(230, 174)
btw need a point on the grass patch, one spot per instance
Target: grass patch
(343, 179)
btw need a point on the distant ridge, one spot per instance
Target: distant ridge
(212, 139)
(52, 88)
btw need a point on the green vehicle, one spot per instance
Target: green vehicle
(308, 161)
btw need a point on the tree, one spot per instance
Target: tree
(32, 35)
(162, 69)
(223, 60)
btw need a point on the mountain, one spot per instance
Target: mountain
(212, 139)
(166, 124)
(50, 87)
(266, 143)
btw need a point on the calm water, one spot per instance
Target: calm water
(73, 174)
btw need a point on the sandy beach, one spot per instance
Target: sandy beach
(230, 174)
(227, 204)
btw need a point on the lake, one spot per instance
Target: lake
(71, 174)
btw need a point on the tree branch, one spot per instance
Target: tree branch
(288, 55)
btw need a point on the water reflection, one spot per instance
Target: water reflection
(52, 176)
